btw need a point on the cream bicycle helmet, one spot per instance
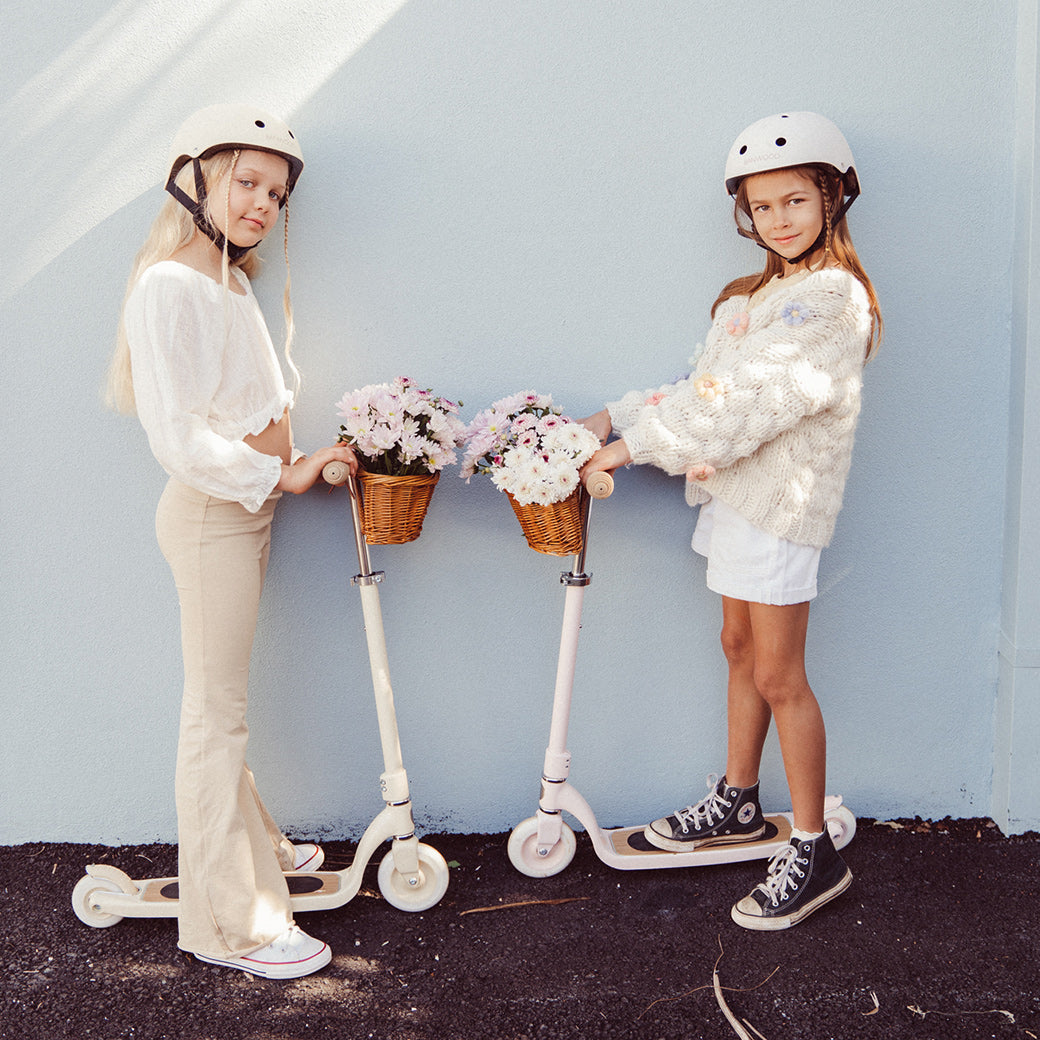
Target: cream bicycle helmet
(220, 128)
(792, 139)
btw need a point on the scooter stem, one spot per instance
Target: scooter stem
(557, 757)
(394, 781)
(359, 535)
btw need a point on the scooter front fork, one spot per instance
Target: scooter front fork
(406, 859)
(550, 827)
(549, 815)
(398, 813)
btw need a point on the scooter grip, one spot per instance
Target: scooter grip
(335, 472)
(600, 485)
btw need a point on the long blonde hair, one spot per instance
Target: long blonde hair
(172, 230)
(837, 246)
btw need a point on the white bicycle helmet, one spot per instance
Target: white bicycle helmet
(790, 139)
(221, 128)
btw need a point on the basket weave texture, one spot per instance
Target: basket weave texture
(554, 529)
(393, 508)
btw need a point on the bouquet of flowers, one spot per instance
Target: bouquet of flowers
(399, 430)
(528, 448)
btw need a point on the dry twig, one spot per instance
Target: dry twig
(953, 1014)
(753, 1029)
(678, 996)
(526, 902)
(717, 986)
(741, 1032)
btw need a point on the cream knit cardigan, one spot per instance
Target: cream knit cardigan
(766, 422)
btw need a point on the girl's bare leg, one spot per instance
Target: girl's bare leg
(765, 648)
(747, 713)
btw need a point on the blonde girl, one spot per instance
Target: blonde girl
(763, 431)
(195, 361)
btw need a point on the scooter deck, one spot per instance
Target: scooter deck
(158, 890)
(626, 848)
(630, 841)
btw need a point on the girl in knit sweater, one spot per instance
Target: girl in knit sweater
(763, 432)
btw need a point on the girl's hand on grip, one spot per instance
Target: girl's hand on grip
(307, 471)
(607, 459)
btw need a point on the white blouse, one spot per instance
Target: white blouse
(205, 375)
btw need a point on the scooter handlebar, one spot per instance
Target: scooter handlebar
(335, 472)
(600, 485)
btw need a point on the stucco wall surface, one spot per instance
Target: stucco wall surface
(499, 197)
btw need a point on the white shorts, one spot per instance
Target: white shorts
(745, 562)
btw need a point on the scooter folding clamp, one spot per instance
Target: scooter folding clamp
(368, 579)
(394, 785)
(576, 580)
(557, 766)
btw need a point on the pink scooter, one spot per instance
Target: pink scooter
(544, 844)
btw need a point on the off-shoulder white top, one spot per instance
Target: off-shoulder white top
(205, 375)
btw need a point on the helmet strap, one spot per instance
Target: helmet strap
(197, 208)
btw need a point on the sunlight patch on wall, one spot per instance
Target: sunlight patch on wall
(92, 128)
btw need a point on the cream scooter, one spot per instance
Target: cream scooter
(544, 844)
(412, 876)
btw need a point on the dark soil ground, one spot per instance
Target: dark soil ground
(939, 938)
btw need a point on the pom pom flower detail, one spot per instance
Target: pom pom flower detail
(700, 472)
(795, 313)
(737, 325)
(708, 387)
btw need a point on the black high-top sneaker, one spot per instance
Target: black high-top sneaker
(727, 815)
(801, 878)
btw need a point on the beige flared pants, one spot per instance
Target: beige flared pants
(233, 895)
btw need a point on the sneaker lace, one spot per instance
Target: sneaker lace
(284, 941)
(705, 811)
(781, 873)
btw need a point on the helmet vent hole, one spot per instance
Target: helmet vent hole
(260, 123)
(781, 141)
(743, 149)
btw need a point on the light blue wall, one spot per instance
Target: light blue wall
(1016, 778)
(507, 196)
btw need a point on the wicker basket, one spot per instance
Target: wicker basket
(393, 508)
(554, 529)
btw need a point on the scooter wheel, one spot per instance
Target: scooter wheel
(842, 826)
(433, 881)
(523, 850)
(85, 906)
